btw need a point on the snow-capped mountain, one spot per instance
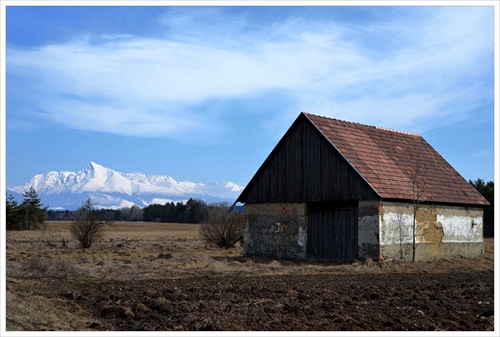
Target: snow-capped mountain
(112, 189)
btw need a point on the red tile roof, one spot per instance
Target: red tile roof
(388, 159)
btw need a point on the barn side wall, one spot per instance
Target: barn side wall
(276, 229)
(441, 231)
(385, 231)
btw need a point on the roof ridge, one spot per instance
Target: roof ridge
(370, 126)
(398, 131)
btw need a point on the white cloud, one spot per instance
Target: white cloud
(401, 74)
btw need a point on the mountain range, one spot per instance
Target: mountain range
(114, 190)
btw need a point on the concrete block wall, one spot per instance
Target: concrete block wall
(276, 229)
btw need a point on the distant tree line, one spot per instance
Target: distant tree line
(133, 213)
(30, 214)
(193, 211)
(487, 190)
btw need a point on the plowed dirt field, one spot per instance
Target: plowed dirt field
(171, 282)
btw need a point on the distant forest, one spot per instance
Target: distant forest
(193, 211)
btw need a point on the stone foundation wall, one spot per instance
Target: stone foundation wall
(277, 230)
(433, 251)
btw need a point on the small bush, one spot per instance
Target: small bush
(88, 225)
(223, 229)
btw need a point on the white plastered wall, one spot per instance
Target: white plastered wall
(441, 231)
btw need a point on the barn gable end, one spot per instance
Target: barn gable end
(305, 167)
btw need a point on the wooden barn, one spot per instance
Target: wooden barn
(337, 191)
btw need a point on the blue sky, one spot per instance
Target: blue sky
(205, 93)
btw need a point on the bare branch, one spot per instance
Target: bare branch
(223, 229)
(417, 171)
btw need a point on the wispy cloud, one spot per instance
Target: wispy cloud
(406, 72)
(489, 153)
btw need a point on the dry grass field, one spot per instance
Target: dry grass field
(157, 276)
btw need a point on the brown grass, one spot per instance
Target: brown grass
(139, 250)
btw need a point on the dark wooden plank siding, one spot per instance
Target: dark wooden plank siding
(304, 166)
(332, 232)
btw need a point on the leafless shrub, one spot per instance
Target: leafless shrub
(222, 229)
(88, 225)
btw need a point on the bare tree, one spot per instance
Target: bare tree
(135, 213)
(222, 228)
(87, 227)
(417, 171)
